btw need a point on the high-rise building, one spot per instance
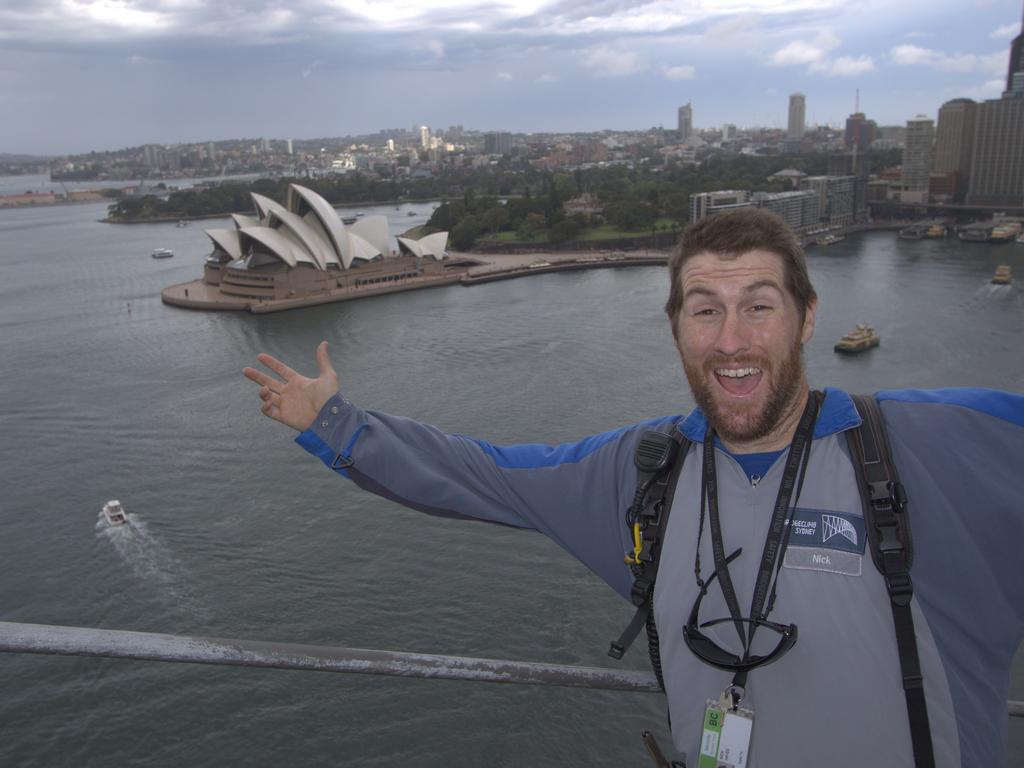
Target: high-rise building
(291, 148)
(918, 156)
(857, 166)
(498, 143)
(685, 121)
(797, 118)
(424, 137)
(860, 132)
(1016, 61)
(954, 140)
(800, 209)
(703, 204)
(997, 159)
(997, 162)
(836, 197)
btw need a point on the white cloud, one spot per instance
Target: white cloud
(847, 66)
(815, 53)
(436, 47)
(915, 56)
(811, 51)
(993, 87)
(505, 76)
(1005, 32)
(606, 61)
(547, 77)
(990, 89)
(730, 29)
(684, 72)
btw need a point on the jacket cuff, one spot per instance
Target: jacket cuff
(333, 433)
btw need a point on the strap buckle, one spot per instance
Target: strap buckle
(342, 462)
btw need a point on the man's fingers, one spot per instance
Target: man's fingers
(323, 359)
(276, 366)
(261, 378)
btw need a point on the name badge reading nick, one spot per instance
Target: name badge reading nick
(823, 540)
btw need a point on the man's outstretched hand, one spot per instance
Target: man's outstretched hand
(296, 400)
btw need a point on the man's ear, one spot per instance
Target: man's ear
(808, 330)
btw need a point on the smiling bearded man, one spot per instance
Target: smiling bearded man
(741, 307)
(763, 469)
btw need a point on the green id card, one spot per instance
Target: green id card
(725, 742)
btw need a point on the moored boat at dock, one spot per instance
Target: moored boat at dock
(975, 234)
(861, 338)
(1006, 232)
(913, 232)
(1003, 275)
(830, 238)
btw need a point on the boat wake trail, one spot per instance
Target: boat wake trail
(152, 562)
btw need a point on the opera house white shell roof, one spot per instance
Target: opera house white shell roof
(434, 246)
(309, 232)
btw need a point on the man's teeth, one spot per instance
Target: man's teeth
(737, 373)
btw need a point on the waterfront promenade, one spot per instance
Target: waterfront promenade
(480, 268)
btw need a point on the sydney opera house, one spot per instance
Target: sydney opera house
(303, 253)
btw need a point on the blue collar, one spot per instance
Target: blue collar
(838, 413)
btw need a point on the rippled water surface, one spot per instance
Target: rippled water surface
(236, 532)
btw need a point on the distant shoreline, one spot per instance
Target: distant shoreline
(203, 216)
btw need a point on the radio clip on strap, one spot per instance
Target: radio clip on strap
(647, 518)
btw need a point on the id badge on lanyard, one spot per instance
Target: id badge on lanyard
(725, 742)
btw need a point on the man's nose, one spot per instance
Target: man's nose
(733, 334)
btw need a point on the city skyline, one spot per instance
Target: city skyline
(116, 75)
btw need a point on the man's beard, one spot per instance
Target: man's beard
(733, 424)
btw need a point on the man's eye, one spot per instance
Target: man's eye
(704, 312)
(760, 308)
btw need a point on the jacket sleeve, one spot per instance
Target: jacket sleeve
(960, 453)
(575, 493)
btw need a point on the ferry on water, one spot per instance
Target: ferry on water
(113, 513)
(1004, 233)
(861, 338)
(162, 253)
(1003, 275)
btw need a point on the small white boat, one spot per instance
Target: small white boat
(113, 513)
(162, 253)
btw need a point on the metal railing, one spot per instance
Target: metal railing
(151, 646)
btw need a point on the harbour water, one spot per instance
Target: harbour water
(236, 532)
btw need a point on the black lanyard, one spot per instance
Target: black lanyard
(778, 532)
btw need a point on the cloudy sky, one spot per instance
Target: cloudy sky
(78, 75)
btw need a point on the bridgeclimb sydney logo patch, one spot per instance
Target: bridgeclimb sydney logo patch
(826, 529)
(824, 540)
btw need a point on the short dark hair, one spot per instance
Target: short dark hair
(729, 236)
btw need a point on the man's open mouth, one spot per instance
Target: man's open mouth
(738, 381)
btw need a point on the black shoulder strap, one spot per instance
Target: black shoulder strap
(659, 460)
(888, 529)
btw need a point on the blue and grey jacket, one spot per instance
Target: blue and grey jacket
(836, 699)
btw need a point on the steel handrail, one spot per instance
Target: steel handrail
(150, 646)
